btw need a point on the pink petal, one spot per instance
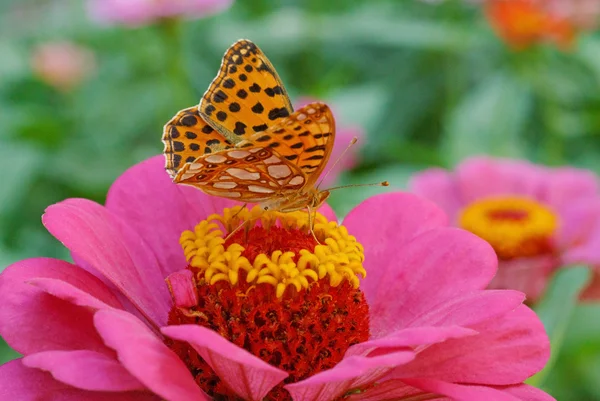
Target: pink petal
(383, 224)
(160, 210)
(18, 382)
(568, 184)
(398, 390)
(434, 267)
(397, 215)
(440, 187)
(145, 356)
(115, 250)
(328, 212)
(67, 292)
(411, 337)
(471, 307)
(32, 321)
(527, 393)
(392, 390)
(86, 370)
(507, 351)
(246, 375)
(351, 373)
(580, 226)
(528, 275)
(460, 392)
(183, 289)
(481, 177)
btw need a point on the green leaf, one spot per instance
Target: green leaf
(556, 310)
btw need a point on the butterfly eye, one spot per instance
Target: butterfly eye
(266, 208)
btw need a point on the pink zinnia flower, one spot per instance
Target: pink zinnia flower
(140, 12)
(343, 136)
(63, 65)
(536, 218)
(276, 328)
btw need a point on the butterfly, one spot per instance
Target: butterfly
(244, 141)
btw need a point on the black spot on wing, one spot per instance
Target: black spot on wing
(263, 138)
(315, 148)
(219, 96)
(221, 116)
(228, 83)
(209, 109)
(188, 121)
(278, 113)
(258, 128)
(258, 108)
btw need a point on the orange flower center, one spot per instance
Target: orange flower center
(271, 289)
(514, 226)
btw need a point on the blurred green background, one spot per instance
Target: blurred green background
(429, 85)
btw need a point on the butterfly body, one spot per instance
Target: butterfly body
(244, 141)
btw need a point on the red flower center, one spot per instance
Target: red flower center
(303, 329)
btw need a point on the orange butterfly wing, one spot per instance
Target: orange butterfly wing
(186, 137)
(304, 139)
(247, 96)
(250, 174)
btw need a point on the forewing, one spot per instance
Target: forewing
(304, 139)
(186, 137)
(247, 95)
(249, 174)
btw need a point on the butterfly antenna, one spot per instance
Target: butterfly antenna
(352, 142)
(377, 184)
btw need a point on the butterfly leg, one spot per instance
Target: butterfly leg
(237, 229)
(311, 223)
(240, 209)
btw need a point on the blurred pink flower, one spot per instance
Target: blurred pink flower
(140, 12)
(538, 219)
(344, 134)
(101, 329)
(63, 65)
